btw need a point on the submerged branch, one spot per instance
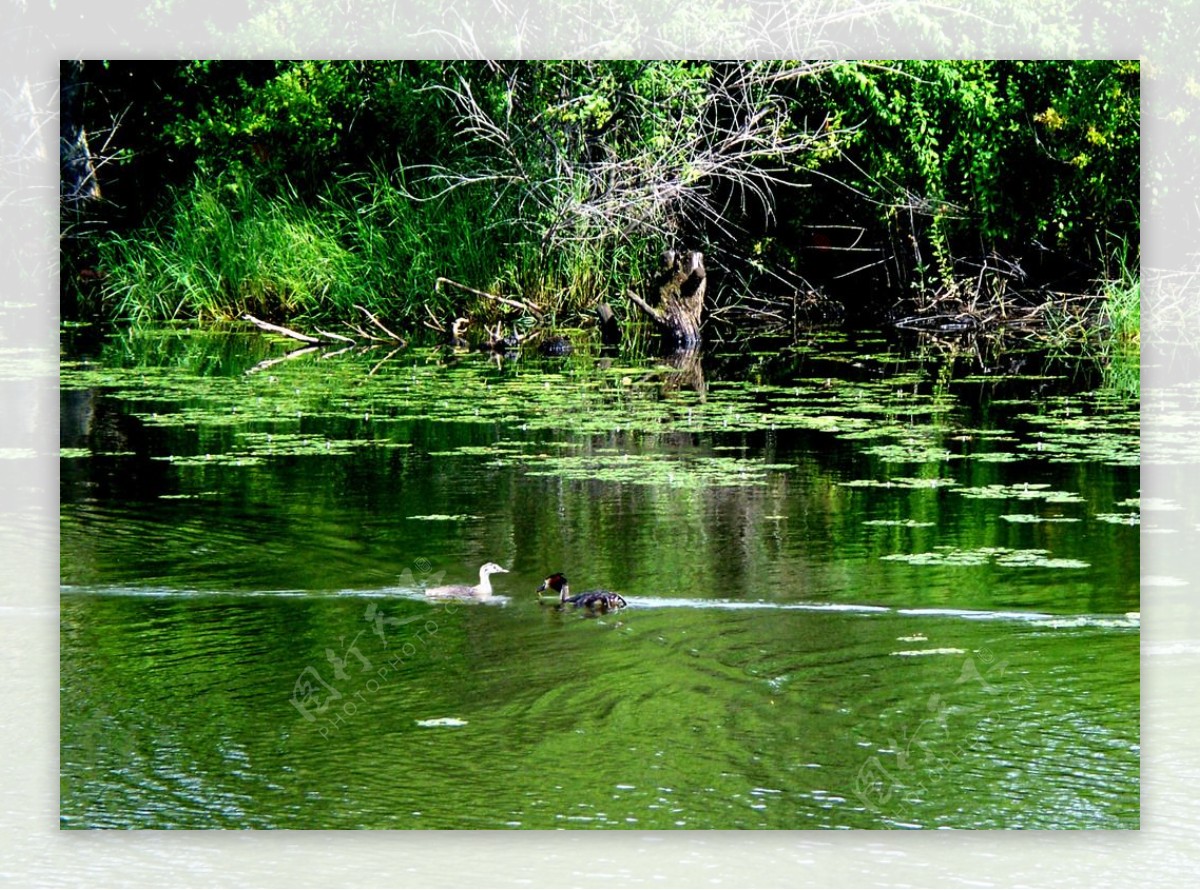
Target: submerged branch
(279, 329)
(267, 363)
(375, 321)
(324, 337)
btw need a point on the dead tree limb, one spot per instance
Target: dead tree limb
(278, 329)
(645, 307)
(523, 305)
(375, 321)
(333, 336)
(324, 338)
(266, 363)
(364, 334)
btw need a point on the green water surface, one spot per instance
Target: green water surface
(868, 587)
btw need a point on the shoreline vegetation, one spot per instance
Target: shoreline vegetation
(949, 197)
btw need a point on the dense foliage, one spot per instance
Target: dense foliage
(303, 187)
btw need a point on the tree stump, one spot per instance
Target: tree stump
(681, 287)
(610, 331)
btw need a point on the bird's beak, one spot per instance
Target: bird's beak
(545, 584)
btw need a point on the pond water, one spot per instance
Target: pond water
(869, 586)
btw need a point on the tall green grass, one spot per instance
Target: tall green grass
(1105, 328)
(232, 246)
(1123, 307)
(1122, 316)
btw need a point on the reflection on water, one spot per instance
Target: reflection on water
(245, 642)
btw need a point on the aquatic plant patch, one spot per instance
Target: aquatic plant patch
(1031, 519)
(445, 517)
(1000, 556)
(657, 469)
(903, 482)
(1022, 491)
(570, 405)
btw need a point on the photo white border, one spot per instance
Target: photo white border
(33, 852)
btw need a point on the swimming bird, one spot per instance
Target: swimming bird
(556, 345)
(592, 600)
(481, 591)
(457, 329)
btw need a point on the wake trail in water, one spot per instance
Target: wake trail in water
(1037, 619)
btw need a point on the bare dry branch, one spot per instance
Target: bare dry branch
(644, 306)
(375, 321)
(278, 329)
(524, 305)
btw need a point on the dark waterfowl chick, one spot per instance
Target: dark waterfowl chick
(556, 345)
(481, 591)
(592, 600)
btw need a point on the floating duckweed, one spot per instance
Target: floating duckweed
(905, 523)
(910, 453)
(446, 517)
(948, 557)
(1120, 518)
(210, 460)
(654, 469)
(913, 653)
(888, 416)
(980, 433)
(480, 450)
(1086, 428)
(72, 452)
(1039, 559)
(1030, 518)
(871, 432)
(907, 482)
(1001, 556)
(1022, 491)
(1115, 450)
